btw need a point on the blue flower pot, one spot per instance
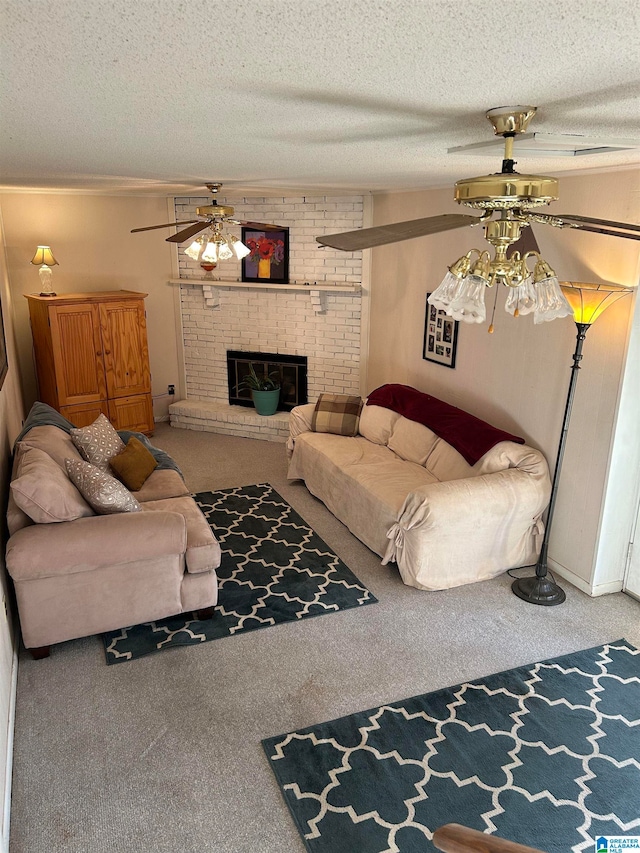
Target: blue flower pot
(266, 402)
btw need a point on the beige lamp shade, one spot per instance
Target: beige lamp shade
(44, 255)
(588, 301)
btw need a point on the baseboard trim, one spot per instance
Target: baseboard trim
(11, 725)
(582, 585)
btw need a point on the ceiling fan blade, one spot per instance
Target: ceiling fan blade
(261, 226)
(367, 238)
(587, 223)
(181, 236)
(166, 225)
(526, 243)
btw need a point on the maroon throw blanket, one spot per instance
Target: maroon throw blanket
(470, 436)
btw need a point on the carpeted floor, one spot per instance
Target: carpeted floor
(165, 755)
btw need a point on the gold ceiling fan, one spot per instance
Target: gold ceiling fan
(212, 215)
(516, 198)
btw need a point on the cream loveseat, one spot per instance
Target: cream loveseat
(97, 573)
(414, 499)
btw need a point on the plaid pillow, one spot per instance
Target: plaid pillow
(337, 413)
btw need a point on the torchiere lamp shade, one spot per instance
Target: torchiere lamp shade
(588, 301)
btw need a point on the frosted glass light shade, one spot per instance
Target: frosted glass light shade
(193, 251)
(588, 301)
(522, 298)
(551, 303)
(445, 292)
(224, 252)
(468, 303)
(210, 253)
(241, 251)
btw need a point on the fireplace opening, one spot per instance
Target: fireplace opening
(292, 370)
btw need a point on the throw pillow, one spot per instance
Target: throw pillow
(337, 413)
(98, 442)
(134, 465)
(43, 491)
(102, 491)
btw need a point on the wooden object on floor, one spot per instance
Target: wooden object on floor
(454, 838)
(92, 357)
(40, 652)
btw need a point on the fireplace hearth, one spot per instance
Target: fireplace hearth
(292, 370)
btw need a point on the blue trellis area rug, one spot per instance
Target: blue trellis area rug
(274, 569)
(547, 755)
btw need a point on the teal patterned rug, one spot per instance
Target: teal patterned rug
(274, 569)
(547, 755)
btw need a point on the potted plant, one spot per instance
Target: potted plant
(265, 390)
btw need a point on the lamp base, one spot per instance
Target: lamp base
(537, 590)
(47, 293)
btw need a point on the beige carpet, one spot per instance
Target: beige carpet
(163, 755)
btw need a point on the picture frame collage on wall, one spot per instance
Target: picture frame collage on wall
(440, 337)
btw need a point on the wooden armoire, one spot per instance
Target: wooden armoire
(92, 356)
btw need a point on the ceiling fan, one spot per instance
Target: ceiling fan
(213, 216)
(516, 198)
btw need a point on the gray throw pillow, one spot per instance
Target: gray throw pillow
(102, 492)
(98, 443)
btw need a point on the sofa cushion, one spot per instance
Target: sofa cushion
(43, 491)
(203, 551)
(376, 423)
(133, 465)
(55, 442)
(445, 463)
(163, 483)
(412, 441)
(104, 493)
(338, 414)
(98, 442)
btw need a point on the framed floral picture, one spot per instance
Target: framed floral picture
(440, 337)
(268, 259)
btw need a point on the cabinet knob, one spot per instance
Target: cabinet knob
(107, 352)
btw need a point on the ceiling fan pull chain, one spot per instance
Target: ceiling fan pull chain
(493, 313)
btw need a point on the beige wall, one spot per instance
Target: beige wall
(518, 377)
(11, 415)
(91, 240)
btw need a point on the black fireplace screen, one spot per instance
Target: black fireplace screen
(292, 370)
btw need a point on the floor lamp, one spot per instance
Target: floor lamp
(588, 301)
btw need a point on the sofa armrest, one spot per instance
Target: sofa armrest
(299, 422)
(490, 523)
(45, 550)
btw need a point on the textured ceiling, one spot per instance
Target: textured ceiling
(164, 95)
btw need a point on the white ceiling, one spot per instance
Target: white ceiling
(164, 95)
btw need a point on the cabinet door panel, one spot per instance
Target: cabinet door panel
(77, 354)
(84, 414)
(134, 413)
(125, 348)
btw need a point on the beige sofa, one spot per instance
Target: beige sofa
(414, 500)
(98, 573)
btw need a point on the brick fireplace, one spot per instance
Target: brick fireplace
(318, 316)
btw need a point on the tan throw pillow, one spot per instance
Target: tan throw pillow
(134, 465)
(337, 413)
(102, 491)
(43, 491)
(98, 442)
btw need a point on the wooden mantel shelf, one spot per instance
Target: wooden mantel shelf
(335, 286)
(317, 291)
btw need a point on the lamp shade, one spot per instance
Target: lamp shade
(44, 255)
(588, 301)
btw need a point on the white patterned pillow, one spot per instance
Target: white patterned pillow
(98, 443)
(101, 491)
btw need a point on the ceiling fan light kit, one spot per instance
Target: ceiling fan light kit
(215, 244)
(517, 200)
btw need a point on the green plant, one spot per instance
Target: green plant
(260, 383)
